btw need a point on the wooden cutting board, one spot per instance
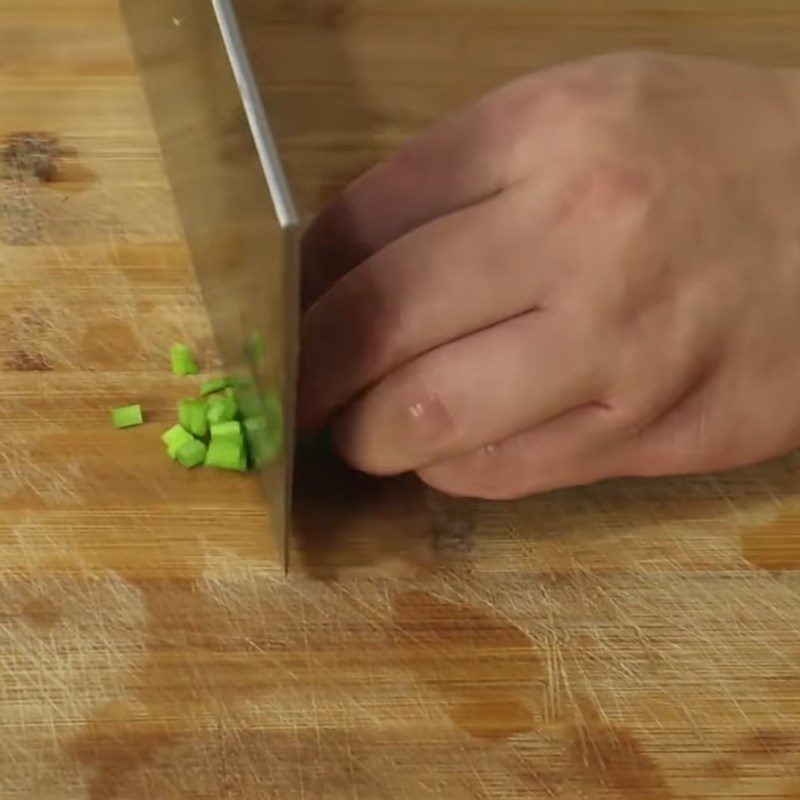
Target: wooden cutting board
(632, 641)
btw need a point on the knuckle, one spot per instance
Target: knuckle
(372, 312)
(558, 95)
(529, 100)
(608, 187)
(404, 165)
(612, 182)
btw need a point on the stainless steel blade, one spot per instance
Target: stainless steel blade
(236, 208)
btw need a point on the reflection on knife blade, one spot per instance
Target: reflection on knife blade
(236, 208)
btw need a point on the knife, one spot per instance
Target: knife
(237, 211)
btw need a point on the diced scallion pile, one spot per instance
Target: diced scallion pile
(193, 416)
(208, 432)
(216, 385)
(216, 429)
(222, 407)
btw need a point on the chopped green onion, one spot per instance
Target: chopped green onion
(211, 387)
(225, 454)
(258, 346)
(193, 415)
(175, 438)
(183, 362)
(191, 454)
(255, 424)
(227, 430)
(239, 381)
(262, 447)
(127, 416)
(222, 408)
(249, 402)
(273, 414)
(244, 428)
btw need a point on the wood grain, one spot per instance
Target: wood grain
(631, 641)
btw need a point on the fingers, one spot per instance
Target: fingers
(452, 277)
(477, 390)
(457, 163)
(595, 442)
(574, 449)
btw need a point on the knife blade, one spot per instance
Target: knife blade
(237, 211)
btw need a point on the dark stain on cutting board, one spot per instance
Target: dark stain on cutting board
(27, 361)
(610, 759)
(41, 158)
(487, 670)
(765, 745)
(21, 342)
(114, 749)
(29, 161)
(775, 546)
(41, 613)
(123, 738)
(193, 651)
(194, 657)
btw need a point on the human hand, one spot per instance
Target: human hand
(594, 272)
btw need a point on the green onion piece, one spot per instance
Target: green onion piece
(263, 448)
(227, 430)
(222, 408)
(225, 454)
(211, 387)
(175, 438)
(193, 415)
(239, 381)
(273, 414)
(258, 346)
(249, 402)
(183, 362)
(255, 424)
(127, 417)
(191, 454)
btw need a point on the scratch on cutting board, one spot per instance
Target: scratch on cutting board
(24, 473)
(52, 629)
(610, 757)
(51, 330)
(206, 648)
(43, 329)
(777, 749)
